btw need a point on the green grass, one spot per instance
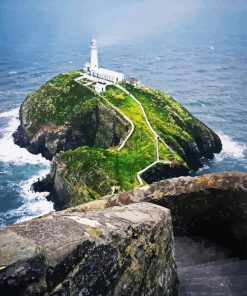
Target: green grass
(91, 172)
(166, 115)
(96, 170)
(142, 140)
(108, 168)
(59, 100)
(178, 125)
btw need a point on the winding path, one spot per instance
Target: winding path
(119, 148)
(156, 136)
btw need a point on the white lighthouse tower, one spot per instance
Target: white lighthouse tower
(100, 75)
(94, 55)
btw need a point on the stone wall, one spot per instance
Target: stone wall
(123, 244)
(213, 206)
(125, 250)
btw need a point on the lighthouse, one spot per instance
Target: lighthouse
(96, 74)
(94, 55)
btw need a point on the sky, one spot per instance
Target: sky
(116, 21)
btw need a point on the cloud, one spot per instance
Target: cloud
(117, 21)
(145, 18)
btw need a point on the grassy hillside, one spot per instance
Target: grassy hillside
(90, 172)
(59, 100)
(108, 168)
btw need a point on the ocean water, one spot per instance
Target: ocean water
(207, 74)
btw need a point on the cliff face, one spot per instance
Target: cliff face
(68, 120)
(61, 116)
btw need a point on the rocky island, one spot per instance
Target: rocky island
(114, 141)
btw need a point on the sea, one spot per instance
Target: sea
(207, 74)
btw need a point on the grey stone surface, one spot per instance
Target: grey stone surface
(127, 250)
(213, 206)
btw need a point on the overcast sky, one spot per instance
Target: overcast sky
(114, 21)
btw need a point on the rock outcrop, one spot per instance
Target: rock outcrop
(213, 206)
(126, 250)
(100, 126)
(123, 244)
(81, 131)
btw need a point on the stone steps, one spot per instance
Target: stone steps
(207, 269)
(219, 284)
(214, 269)
(211, 263)
(195, 250)
(223, 277)
(212, 294)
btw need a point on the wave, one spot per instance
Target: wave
(13, 92)
(13, 72)
(202, 169)
(230, 148)
(9, 152)
(35, 204)
(32, 204)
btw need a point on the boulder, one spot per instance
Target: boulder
(126, 250)
(213, 206)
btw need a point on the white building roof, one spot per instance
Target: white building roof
(107, 72)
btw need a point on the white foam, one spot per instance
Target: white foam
(9, 152)
(205, 167)
(10, 113)
(230, 148)
(25, 186)
(12, 72)
(34, 204)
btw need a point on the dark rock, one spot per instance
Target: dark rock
(213, 206)
(207, 141)
(59, 192)
(101, 127)
(125, 250)
(162, 171)
(191, 154)
(45, 184)
(100, 248)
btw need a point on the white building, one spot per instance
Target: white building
(93, 69)
(100, 87)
